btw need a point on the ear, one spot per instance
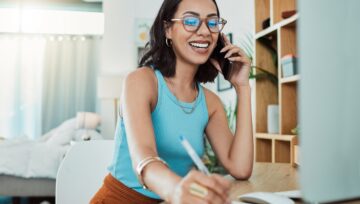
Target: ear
(168, 30)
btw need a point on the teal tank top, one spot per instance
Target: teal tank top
(169, 122)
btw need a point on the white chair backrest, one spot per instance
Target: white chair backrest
(82, 171)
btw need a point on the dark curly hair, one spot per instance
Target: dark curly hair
(161, 57)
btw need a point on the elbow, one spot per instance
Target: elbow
(241, 173)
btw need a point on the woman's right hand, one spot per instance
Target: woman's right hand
(217, 189)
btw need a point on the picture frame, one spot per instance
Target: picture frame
(222, 83)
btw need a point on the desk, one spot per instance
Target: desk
(270, 177)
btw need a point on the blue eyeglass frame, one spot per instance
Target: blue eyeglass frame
(201, 20)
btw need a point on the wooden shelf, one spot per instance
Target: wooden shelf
(288, 107)
(289, 22)
(278, 6)
(291, 79)
(271, 44)
(262, 12)
(275, 136)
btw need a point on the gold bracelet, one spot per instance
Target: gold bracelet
(142, 164)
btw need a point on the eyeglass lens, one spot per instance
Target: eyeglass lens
(192, 23)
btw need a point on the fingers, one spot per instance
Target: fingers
(232, 51)
(222, 181)
(209, 197)
(227, 47)
(193, 199)
(212, 184)
(243, 60)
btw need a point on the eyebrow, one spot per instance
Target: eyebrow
(197, 14)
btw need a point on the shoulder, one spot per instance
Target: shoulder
(141, 81)
(213, 101)
(142, 75)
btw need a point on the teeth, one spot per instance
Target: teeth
(200, 45)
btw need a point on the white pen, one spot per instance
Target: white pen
(199, 164)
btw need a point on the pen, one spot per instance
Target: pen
(199, 164)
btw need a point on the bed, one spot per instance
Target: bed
(109, 92)
(26, 187)
(28, 168)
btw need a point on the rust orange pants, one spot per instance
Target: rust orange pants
(115, 192)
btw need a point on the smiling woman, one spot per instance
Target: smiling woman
(163, 101)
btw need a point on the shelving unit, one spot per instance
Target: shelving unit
(281, 36)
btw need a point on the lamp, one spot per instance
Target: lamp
(109, 89)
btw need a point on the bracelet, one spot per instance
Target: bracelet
(142, 164)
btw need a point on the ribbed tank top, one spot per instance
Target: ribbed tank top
(169, 122)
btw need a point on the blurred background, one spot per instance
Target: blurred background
(60, 59)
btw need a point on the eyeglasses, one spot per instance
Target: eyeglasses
(193, 23)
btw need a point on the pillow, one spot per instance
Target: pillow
(87, 120)
(62, 137)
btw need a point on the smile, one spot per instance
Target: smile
(199, 45)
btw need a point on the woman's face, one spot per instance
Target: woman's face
(193, 47)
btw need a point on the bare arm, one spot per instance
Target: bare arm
(235, 152)
(140, 93)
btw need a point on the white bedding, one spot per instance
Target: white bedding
(31, 159)
(41, 158)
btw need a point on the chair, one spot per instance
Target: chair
(82, 171)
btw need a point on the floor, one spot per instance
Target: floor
(32, 200)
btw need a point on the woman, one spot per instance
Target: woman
(163, 100)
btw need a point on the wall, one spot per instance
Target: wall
(120, 52)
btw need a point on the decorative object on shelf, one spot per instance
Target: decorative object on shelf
(266, 23)
(222, 83)
(295, 131)
(288, 14)
(289, 65)
(273, 119)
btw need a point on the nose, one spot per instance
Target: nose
(203, 30)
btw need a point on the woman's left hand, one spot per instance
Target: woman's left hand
(241, 64)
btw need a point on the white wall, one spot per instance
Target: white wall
(120, 51)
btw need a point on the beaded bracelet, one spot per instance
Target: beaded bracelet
(143, 163)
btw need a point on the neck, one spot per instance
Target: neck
(185, 75)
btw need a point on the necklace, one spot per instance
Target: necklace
(185, 109)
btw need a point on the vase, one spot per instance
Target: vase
(273, 119)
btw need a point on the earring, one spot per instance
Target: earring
(168, 42)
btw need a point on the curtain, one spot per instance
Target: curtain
(69, 79)
(45, 80)
(21, 60)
